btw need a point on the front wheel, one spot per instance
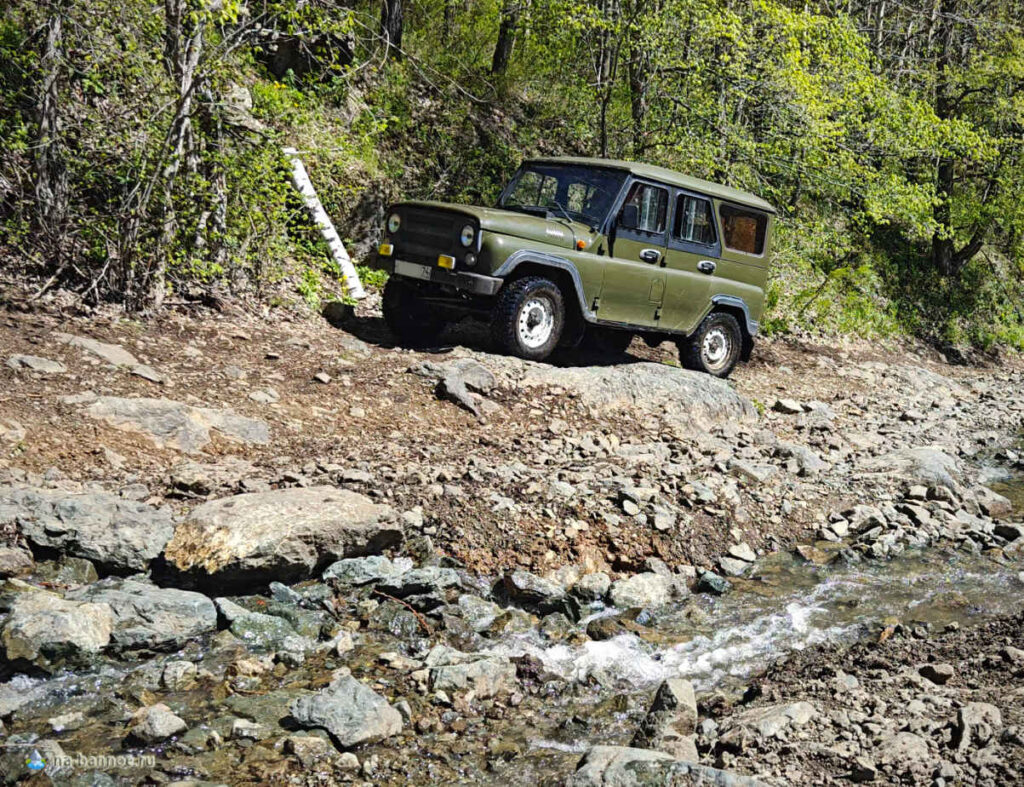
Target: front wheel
(715, 347)
(528, 318)
(406, 315)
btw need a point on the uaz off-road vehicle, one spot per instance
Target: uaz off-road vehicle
(586, 248)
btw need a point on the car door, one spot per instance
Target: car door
(633, 286)
(692, 260)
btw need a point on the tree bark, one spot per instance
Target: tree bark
(638, 85)
(302, 183)
(391, 28)
(51, 186)
(942, 239)
(506, 37)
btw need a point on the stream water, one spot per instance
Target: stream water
(790, 605)
(717, 642)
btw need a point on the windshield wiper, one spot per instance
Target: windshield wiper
(561, 207)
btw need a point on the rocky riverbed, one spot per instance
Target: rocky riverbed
(240, 550)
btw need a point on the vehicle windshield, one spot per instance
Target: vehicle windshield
(583, 194)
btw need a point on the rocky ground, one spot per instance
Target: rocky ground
(272, 549)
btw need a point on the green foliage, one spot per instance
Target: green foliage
(835, 119)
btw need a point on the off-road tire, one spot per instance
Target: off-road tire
(607, 341)
(518, 303)
(409, 319)
(715, 347)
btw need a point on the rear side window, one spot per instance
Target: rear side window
(695, 223)
(652, 203)
(743, 229)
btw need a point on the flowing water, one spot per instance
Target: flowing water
(786, 605)
(789, 605)
(1013, 488)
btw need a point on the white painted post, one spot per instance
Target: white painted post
(302, 183)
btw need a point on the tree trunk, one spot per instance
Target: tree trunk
(638, 83)
(302, 183)
(942, 239)
(506, 37)
(450, 9)
(391, 28)
(51, 186)
(183, 46)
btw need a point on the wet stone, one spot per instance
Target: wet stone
(712, 583)
(366, 570)
(156, 723)
(641, 590)
(350, 711)
(591, 587)
(535, 594)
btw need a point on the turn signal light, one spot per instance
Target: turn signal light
(581, 244)
(446, 261)
(386, 250)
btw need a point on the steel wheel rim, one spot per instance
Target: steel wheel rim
(536, 321)
(715, 348)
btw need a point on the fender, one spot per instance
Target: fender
(525, 255)
(739, 303)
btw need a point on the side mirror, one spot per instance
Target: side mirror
(629, 218)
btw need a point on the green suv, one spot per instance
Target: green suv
(586, 249)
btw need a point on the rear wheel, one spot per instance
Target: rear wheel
(406, 315)
(528, 318)
(715, 347)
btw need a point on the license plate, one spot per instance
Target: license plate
(412, 270)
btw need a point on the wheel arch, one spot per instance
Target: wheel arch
(564, 274)
(737, 307)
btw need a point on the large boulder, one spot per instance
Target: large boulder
(284, 535)
(43, 628)
(924, 465)
(151, 617)
(118, 535)
(678, 396)
(486, 674)
(620, 766)
(351, 712)
(170, 424)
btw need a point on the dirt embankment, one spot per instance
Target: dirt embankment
(549, 475)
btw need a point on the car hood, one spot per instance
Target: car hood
(520, 225)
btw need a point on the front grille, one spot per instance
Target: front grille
(427, 232)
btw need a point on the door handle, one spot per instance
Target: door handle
(706, 266)
(650, 255)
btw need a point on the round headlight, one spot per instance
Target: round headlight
(394, 222)
(468, 235)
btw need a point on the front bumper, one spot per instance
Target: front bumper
(476, 283)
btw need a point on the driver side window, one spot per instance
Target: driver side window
(652, 207)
